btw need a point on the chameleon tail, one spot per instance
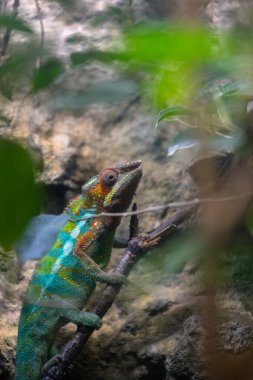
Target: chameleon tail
(33, 343)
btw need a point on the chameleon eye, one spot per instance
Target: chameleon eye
(109, 178)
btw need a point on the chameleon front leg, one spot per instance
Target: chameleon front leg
(81, 317)
(92, 268)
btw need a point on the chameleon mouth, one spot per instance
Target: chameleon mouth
(128, 167)
(120, 198)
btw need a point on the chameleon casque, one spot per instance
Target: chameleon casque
(66, 276)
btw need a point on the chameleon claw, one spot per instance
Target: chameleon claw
(124, 280)
(55, 360)
(98, 322)
(119, 279)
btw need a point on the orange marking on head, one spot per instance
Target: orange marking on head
(100, 191)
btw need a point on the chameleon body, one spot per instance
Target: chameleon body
(66, 276)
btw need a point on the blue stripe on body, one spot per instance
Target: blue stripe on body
(54, 284)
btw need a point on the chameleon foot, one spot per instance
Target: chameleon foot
(82, 318)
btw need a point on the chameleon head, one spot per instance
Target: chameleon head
(113, 189)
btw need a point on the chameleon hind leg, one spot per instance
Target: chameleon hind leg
(78, 318)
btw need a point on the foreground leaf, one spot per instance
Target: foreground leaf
(9, 22)
(173, 111)
(184, 140)
(19, 198)
(47, 74)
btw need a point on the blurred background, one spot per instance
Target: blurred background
(87, 84)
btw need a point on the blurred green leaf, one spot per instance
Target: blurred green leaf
(229, 143)
(194, 137)
(75, 38)
(68, 4)
(79, 58)
(106, 92)
(164, 43)
(47, 74)
(184, 140)
(16, 70)
(220, 88)
(173, 111)
(120, 14)
(19, 197)
(170, 256)
(9, 22)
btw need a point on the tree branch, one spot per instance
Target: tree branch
(137, 247)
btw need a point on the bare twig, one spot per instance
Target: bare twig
(7, 35)
(173, 221)
(185, 204)
(136, 248)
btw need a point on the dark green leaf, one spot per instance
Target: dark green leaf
(92, 55)
(9, 22)
(47, 74)
(16, 70)
(19, 199)
(172, 111)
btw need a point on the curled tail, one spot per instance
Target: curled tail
(34, 340)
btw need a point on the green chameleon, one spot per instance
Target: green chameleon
(66, 276)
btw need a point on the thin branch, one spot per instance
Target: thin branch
(7, 35)
(136, 248)
(185, 204)
(42, 31)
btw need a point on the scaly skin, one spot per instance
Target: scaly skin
(66, 277)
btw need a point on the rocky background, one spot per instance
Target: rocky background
(153, 331)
